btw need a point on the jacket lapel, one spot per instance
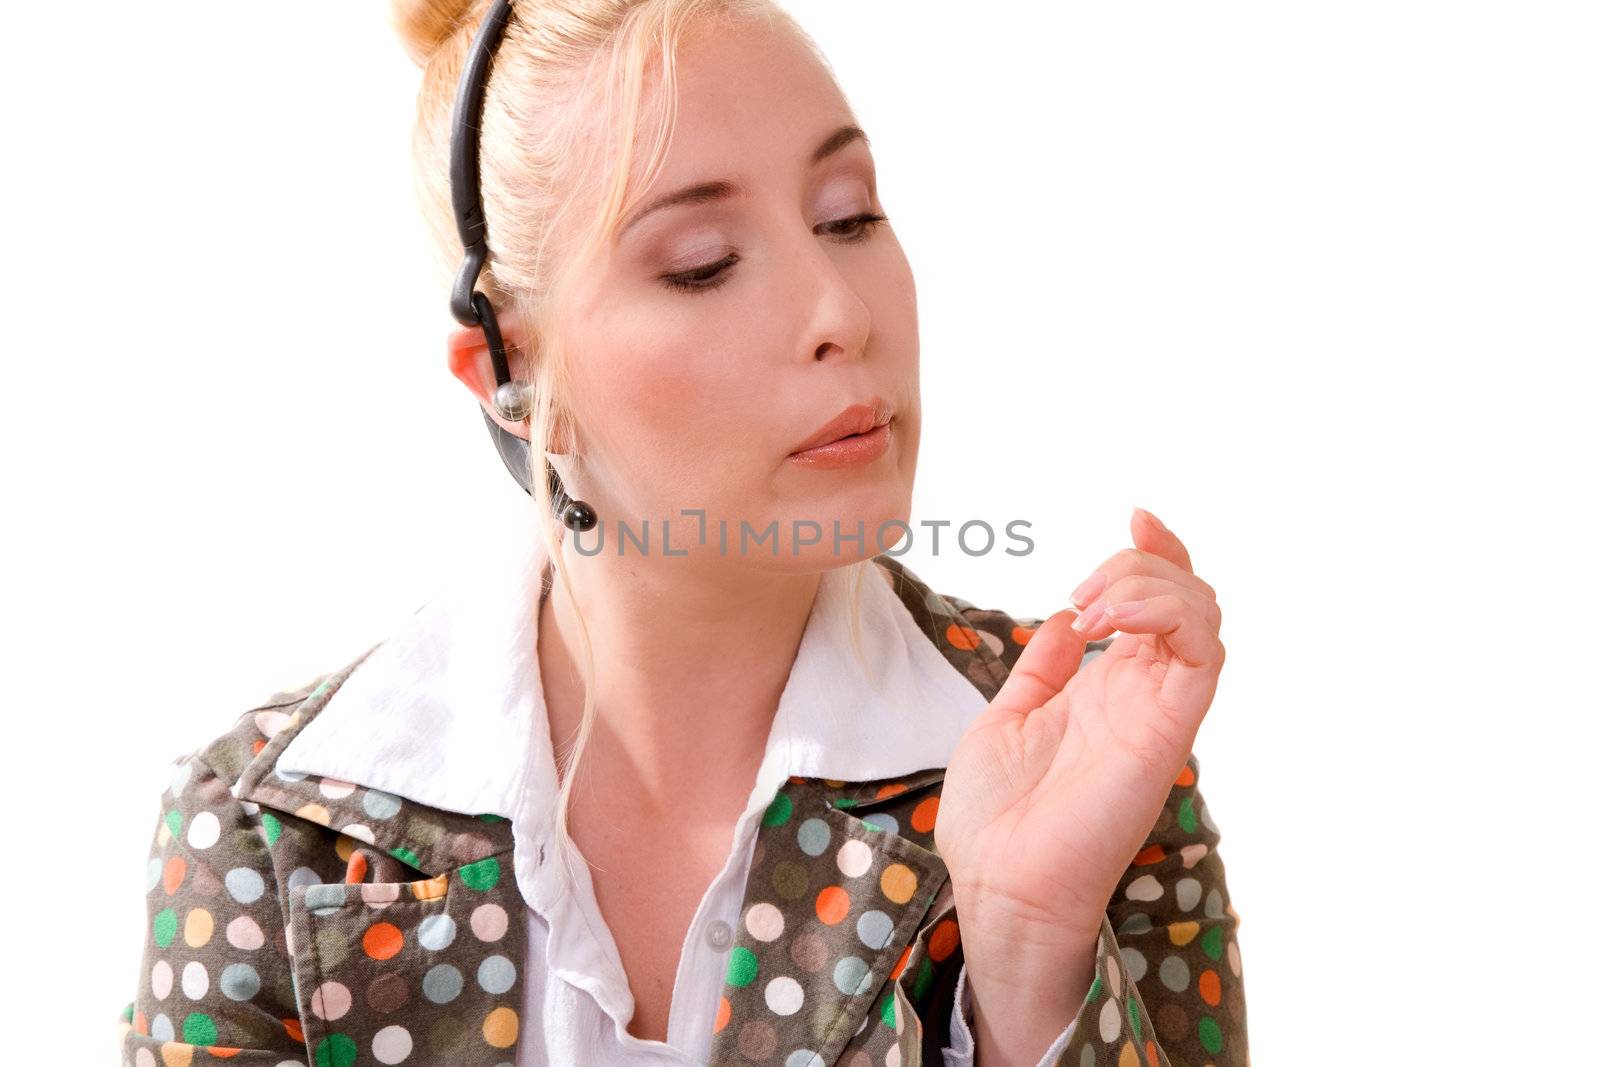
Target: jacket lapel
(847, 935)
(417, 948)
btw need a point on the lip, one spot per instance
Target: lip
(862, 417)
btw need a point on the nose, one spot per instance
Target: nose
(837, 320)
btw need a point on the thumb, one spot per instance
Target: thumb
(1050, 659)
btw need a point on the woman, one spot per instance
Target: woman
(812, 811)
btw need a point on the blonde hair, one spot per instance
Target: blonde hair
(552, 192)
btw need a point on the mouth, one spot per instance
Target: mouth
(858, 434)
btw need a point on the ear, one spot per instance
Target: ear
(467, 353)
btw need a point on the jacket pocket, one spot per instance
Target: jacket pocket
(430, 968)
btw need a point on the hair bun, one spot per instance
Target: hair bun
(424, 25)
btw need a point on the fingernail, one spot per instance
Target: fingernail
(1125, 609)
(1159, 524)
(1091, 588)
(1088, 620)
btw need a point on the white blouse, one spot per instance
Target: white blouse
(450, 711)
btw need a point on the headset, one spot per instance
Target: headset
(469, 305)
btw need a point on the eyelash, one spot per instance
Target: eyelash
(704, 279)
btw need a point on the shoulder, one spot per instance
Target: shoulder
(984, 643)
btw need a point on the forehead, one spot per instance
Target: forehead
(752, 98)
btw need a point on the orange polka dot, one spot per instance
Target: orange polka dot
(292, 1028)
(1129, 1056)
(900, 964)
(141, 1023)
(795, 779)
(898, 882)
(1023, 634)
(356, 870)
(1148, 855)
(1185, 776)
(430, 888)
(1182, 933)
(1210, 986)
(382, 941)
(833, 904)
(172, 874)
(962, 637)
(724, 1013)
(222, 1052)
(891, 789)
(257, 745)
(174, 1054)
(500, 1028)
(832, 783)
(944, 939)
(924, 815)
(1152, 1056)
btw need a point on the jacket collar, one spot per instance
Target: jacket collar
(448, 712)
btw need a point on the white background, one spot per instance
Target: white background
(1317, 284)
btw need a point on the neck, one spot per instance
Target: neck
(690, 659)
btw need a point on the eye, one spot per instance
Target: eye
(859, 227)
(701, 279)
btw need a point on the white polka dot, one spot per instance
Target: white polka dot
(764, 921)
(436, 932)
(180, 778)
(144, 1058)
(335, 789)
(784, 995)
(161, 979)
(330, 1001)
(1110, 1021)
(1145, 887)
(270, 722)
(1113, 976)
(392, 1044)
(161, 1028)
(1192, 854)
(855, 858)
(195, 980)
(1188, 892)
(360, 832)
(204, 830)
(489, 922)
(243, 933)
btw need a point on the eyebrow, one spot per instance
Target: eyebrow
(722, 188)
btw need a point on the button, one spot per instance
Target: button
(719, 935)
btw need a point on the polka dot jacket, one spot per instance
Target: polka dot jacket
(304, 922)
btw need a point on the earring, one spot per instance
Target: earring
(574, 514)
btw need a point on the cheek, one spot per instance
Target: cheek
(675, 412)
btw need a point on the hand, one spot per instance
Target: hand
(1057, 784)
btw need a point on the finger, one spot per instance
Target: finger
(1050, 658)
(1152, 535)
(1142, 586)
(1136, 561)
(1190, 680)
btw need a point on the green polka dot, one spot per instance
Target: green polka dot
(336, 1050)
(481, 875)
(1186, 814)
(490, 816)
(741, 967)
(887, 1014)
(778, 811)
(127, 1013)
(199, 1029)
(319, 690)
(919, 988)
(1211, 942)
(174, 822)
(273, 827)
(405, 855)
(1134, 1023)
(844, 802)
(165, 926)
(1210, 1034)
(1094, 989)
